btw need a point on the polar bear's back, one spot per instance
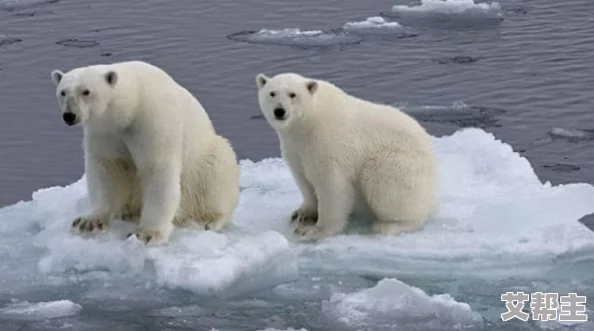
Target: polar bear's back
(157, 95)
(373, 122)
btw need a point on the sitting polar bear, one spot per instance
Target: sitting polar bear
(342, 150)
(151, 152)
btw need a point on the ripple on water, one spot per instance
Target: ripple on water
(9, 41)
(456, 59)
(77, 43)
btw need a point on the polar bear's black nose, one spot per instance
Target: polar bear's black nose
(69, 118)
(279, 113)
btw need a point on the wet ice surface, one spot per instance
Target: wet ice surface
(491, 227)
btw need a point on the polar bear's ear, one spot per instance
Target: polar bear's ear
(312, 86)
(57, 76)
(111, 77)
(261, 80)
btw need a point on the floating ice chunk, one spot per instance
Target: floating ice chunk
(491, 222)
(207, 263)
(375, 22)
(452, 8)
(394, 303)
(289, 33)
(251, 260)
(377, 25)
(202, 261)
(296, 37)
(572, 134)
(496, 220)
(40, 310)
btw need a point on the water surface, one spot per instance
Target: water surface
(519, 78)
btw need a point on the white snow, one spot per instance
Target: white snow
(392, 301)
(496, 220)
(40, 310)
(452, 7)
(374, 22)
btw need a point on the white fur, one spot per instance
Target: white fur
(343, 150)
(151, 151)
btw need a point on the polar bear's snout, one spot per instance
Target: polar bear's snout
(69, 118)
(279, 112)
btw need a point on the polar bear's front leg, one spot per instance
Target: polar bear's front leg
(307, 213)
(161, 195)
(336, 200)
(107, 189)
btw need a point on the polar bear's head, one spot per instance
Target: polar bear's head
(285, 98)
(84, 93)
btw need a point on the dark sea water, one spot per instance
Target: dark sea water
(519, 78)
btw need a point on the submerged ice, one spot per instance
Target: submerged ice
(40, 310)
(296, 37)
(497, 219)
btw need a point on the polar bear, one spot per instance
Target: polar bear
(345, 152)
(152, 155)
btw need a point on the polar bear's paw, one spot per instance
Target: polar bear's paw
(89, 225)
(309, 232)
(149, 237)
(304, 216)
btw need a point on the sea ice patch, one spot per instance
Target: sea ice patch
(450, 9)
(496, 220)
(372, 22)
(392, 303)
(40, 310)
(573, 135)
(296, 37)
(377, 25)
(491, 222)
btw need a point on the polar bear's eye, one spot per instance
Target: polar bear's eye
(272, 94)
(86, 92)
(292, 95)
(63, 93)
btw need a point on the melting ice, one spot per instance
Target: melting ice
(295, 37)
(497, 221)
